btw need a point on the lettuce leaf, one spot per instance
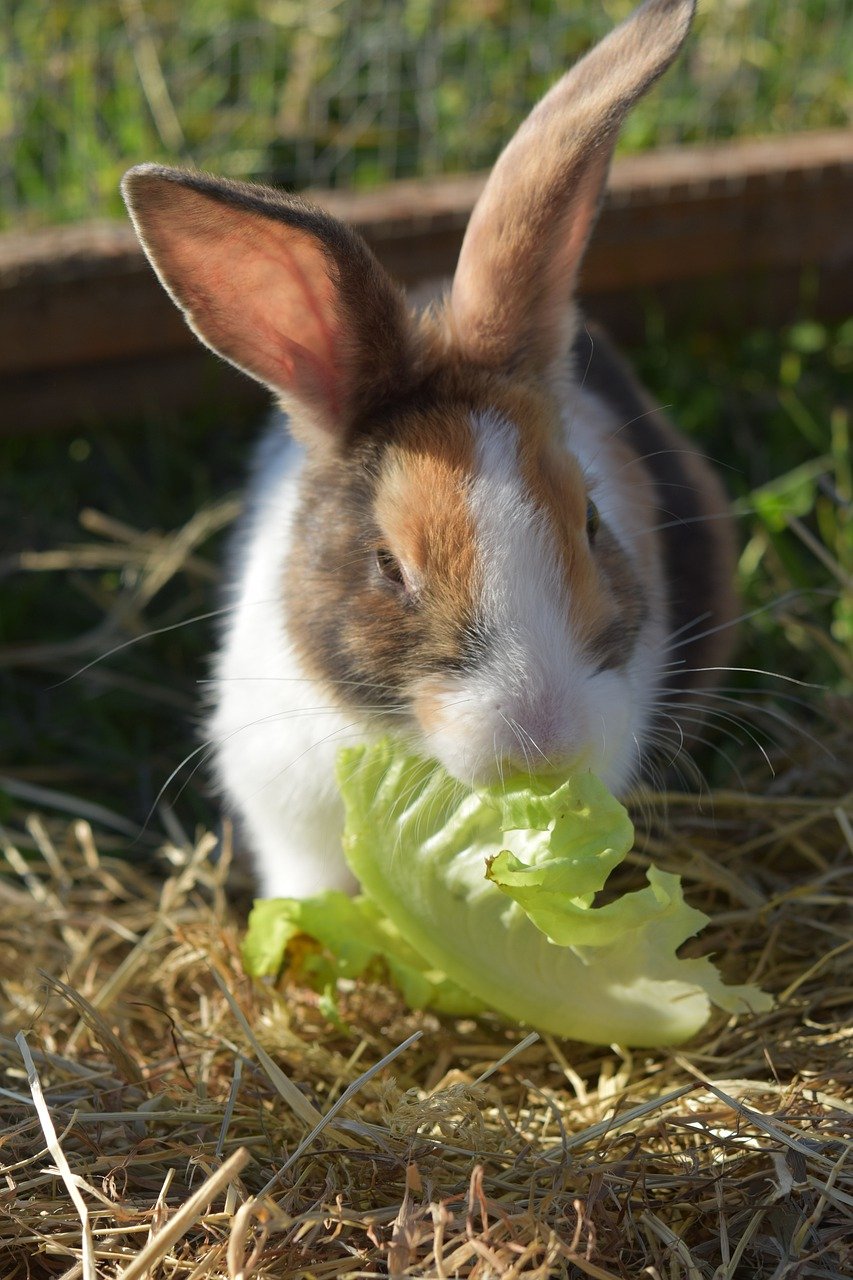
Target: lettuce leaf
(355, 936)
(486, 899)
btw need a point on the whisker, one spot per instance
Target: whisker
(735, 690)
(794, 594)
(513, 730)
(688, 450)
(535, 745)
(771, 714)
(279, 773)
(738, 721)
(209, 745)
(204, 746)
(708, 518)
(498, 760)
(710, 745)
(134, 640)
(755, 671)
(694, 622)
(680, 734)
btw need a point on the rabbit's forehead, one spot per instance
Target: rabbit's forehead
(489, 514)
(528, 503)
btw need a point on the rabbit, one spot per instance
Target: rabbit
(476, 533)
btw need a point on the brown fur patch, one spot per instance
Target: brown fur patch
(403, 488)
(420, 502)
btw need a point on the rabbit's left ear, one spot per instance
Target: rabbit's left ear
(522, 251)
(279, 288)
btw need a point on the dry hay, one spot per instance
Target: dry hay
(164, 1117)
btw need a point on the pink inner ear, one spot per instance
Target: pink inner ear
(257, 290)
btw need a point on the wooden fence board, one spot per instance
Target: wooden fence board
(87, 332)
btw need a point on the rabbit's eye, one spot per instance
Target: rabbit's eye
(593, 520)
(389, 568)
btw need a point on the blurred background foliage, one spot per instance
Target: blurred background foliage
(355, 92)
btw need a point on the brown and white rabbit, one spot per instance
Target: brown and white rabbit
(479, 534)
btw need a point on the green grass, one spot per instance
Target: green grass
(360, 91)
(773, 410)
(771, 407)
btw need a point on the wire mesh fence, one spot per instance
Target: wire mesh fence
(355, 92)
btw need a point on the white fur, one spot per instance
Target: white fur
(273, 732)
(535, 700)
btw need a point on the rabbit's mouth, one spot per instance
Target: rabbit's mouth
(482, 732)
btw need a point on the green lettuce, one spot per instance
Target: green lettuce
(354, 935)
(485, 899)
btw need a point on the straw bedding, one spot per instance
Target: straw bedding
(164, 1117)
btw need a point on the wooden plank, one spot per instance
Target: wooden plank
(80, 306)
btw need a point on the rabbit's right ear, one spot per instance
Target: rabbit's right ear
(281, 289)
(511, 299)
